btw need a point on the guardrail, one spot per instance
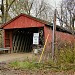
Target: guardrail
(5, 49)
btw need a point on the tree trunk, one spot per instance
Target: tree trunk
(6, 12)
(70, 21)
(2, 10)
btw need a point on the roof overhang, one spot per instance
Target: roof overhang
(25, 15)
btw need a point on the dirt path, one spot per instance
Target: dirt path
(8, 71)
(15, 56)
(5, 70)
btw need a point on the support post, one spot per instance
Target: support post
(54, 36)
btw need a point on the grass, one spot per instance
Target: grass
(26, 65)
(37, 66)
(65, 61)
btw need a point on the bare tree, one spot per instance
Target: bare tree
(36, 8)
(68, 8)
(5, 6)
(68, 15)
(43, 10)
(39, 9)
(2, 10)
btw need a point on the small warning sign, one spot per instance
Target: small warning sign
(36, 38)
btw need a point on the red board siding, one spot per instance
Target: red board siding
(64, 37)
(49, 41)
(23, 22)
(8, 38)
(60, 36)
(27, 22)
(11, 39)
(4, 39)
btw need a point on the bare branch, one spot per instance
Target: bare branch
(11, 4)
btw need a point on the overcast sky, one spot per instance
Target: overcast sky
(53, 2)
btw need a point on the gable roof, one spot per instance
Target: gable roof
(59, 28)
(25, 15)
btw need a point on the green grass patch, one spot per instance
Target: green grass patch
(25, 65)
(35, 66)
(65, 61)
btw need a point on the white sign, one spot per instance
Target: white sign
(36, 35)
(36, 38)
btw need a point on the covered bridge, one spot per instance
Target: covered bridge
(18, 33)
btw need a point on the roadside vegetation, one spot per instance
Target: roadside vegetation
(64, 62)
(42, 66)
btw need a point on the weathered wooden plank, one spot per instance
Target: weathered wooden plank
(16, 42)
(19, 43)
(24, 44)
(14, 37)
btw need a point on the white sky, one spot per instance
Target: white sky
(54, 2)
(0, 1)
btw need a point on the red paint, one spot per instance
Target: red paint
(60, 36)
(25, 21)
(7, 38)
(4, 39)
(10, 39)
(47, 31)
(21, 21)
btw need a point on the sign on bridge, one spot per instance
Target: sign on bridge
(36, 38)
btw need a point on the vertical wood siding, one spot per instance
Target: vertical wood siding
(8, 38)
(60, 37)
(23, 22)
